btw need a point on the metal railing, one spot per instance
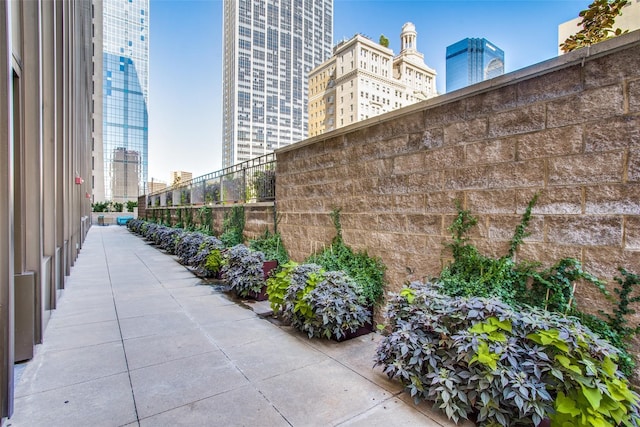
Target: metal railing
(246, 182)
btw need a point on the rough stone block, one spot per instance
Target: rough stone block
(585, 169)
(391, 223)
(604, 262)
(432, 138)
(430, 225)
(465, 131)
(554, 201)
(357, 221)
(485, 152)
(409, 163)
(547, 254)
(412, 183)
(550, 143)
(612, 134)
(378, 167)
(612, 68)
(550, 86)
(587, 106)
(443, 202)
(474, 177)
(516, 174)
(632, 234)
(444, 158)
(443, 114)
(409, 203)
(402, 242)
(502, 228)
(622, 199)
(498, 201)
(498, 99)
(517, 121)
(634, 96)
(592, 230)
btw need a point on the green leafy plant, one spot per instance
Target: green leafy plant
(233, 227)
(117, 206)
(367, 271)
(597, 24)
(205, 215)
(325, 304)
(270, 244)
(506, 367)
(131, 204)
(100, 206)
(278, 284)
(213, 263)
(243, 270)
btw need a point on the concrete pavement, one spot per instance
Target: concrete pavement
(137, 340)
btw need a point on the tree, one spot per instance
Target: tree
(597, 24)
(384, 41)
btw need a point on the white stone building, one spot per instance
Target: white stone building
(364, 79)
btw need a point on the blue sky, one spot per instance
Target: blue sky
(185, 94)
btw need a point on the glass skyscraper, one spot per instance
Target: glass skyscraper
(471, 61)
(125, 91)
(269, 48)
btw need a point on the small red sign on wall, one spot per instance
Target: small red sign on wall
(79, 180)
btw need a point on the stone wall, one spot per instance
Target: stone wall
(568, 128)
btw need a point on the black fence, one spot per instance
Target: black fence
(247, 182)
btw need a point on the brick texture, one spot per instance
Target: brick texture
(570, 133)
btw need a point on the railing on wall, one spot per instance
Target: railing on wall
(247, 182)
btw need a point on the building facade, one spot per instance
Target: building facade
(269, 48)
(629, 20)
(45, 166)
(121, 127)
(471, 61)
(364, 79)
(180, 177)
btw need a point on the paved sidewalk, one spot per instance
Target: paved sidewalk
(137, 341)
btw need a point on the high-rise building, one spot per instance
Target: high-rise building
(471, 61)
(180, 177)
(364, 79)
(121, 130)
(269, 48)
(628, 20)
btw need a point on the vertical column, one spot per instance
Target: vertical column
(6, 217)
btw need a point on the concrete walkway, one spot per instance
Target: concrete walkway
(137, 341)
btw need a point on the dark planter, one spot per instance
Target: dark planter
(362, 330)
(268, 267)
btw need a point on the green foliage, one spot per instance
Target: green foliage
(507, 366)
(277, 285)
(322, 304)
(167, 218)
(101, 206)
(384, 41)
(205, 214)
(233, 227)
(526, 284)
(597, 24)
(214, 262)
(619, 321)
(131, 204)
(368, 272)
(271, 245)
(243, 270)
(117, 206)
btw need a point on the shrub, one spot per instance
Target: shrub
(322, 304)
(508, 367)
(243, 270)
(187, 246)
(368, 272)
(204, 266)
(278, 285)
(233, 227)
(270, 244)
